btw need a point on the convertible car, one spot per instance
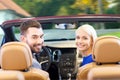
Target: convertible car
(59, 57)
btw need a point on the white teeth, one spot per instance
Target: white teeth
(81, 45)
(38, 46)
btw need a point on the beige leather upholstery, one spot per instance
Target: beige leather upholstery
(17, 56)
(106, 53)
(106, 49)
(11, 75)
(83, 71)
(104, 73)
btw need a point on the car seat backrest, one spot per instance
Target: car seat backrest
(11, 75)
(106, 49)
(106, 52)
(104, 73)
(17, 56)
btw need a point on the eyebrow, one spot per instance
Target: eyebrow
(37, 35)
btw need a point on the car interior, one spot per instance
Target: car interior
(58, 56)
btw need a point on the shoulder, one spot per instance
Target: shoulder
(36, 64)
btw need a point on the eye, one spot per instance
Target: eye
(85, 38)
(42, 36)
(77, 37)
(34, 37)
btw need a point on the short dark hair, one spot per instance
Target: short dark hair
(28, 24)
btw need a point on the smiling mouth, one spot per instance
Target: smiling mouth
(38, 47)
(81, 46)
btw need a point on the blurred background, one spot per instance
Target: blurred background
(14, 9)
(69, 7)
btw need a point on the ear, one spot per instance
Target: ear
(22, 38)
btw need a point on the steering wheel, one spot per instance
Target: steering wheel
(44, 58)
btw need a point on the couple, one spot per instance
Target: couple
(32, 34)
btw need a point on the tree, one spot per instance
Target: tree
(117, 7)
(90, 6)
(46, 7)
(114, 7)
(61, 7)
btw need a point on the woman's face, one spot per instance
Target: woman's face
(83, 41)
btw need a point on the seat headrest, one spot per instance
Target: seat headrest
(15, 56)
(106, 49)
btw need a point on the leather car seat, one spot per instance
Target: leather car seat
(17, 56)
(104, 73)
(11, 75)
(106, 54)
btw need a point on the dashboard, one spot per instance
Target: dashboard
(65, 60)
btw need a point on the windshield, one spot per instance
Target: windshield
(58, 34)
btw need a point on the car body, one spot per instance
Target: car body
(60, 41)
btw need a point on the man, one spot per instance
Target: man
(32, 34)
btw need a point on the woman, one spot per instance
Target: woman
(85, 37)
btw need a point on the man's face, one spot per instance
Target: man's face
(34, 38)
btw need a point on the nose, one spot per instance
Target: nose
(79, 40)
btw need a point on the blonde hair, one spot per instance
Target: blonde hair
(88, 29)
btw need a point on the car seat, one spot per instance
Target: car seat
(106, 54)
(104, 73)
(11, 75)
(17, 56)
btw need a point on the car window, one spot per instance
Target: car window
(17, 32)
(51, 33)
(58, 32)
(1, 35)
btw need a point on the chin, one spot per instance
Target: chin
(81, 49)
(37, 50)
